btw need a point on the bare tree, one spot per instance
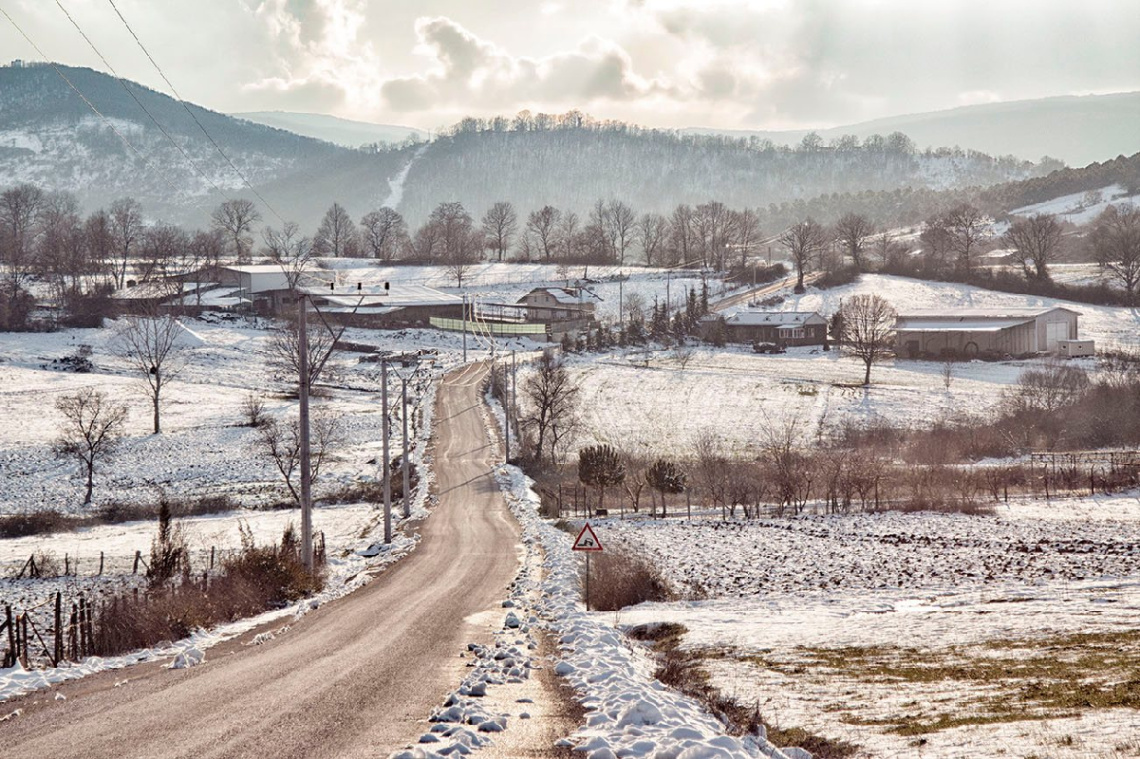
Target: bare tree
(499, 226)
(804, 242)
(285, 348)
(290, 250)
(622, 224)
(652, 231)
(337, 235)
(867, 322)
(744, 229)
(682, 235)
(567, 236)
(790, 469)
(853, 231)
(384, 233)
(19, 232)
(151, 345)
(967, 226)
(236, 218)
(89, 431)
(127, 227)
(1116, 244)
(1035, 241)
(542, 229)
(711, 464)
(282, 443)
(552, 396)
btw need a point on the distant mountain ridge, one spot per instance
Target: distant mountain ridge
(50, 137)
(1077, 129)
(344, 132)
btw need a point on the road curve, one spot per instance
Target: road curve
(355, 678)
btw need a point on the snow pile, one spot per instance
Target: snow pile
(464, 723)
(191, 657)
(630, 713)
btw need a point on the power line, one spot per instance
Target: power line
(192, 115)
(139, 102)
(90, 105)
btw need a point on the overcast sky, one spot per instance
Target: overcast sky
(718, 63)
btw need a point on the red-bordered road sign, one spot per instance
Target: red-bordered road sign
(587, 540)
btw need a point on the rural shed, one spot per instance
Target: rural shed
(400, 305)
(779, 327)
(970, 331)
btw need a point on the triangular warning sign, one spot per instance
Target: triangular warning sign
(587, 540)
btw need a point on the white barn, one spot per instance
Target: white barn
(970, 331)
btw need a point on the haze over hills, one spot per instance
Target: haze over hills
(344, 132)
(1075, 129)
(49, 136)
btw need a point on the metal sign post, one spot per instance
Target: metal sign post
(587, 541)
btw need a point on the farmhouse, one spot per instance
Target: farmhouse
(779, 327)
(559, 304)
(968, 332)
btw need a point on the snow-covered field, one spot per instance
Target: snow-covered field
(646, 401)
(827, 623)
(1080, 207)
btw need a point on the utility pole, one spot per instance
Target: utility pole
(404, 456)
(513, 399)
(303, 421)
(621, 302)
(386, 470)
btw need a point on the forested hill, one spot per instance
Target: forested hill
(51, 137)
(572, 166)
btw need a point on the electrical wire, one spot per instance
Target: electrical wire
(191, 112)
(138, 102)
(130, 146)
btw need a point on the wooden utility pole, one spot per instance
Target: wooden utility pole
(387, 468)
(306, 451)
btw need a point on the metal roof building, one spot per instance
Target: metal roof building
(970, 331)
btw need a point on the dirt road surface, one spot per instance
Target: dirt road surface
(355, 678)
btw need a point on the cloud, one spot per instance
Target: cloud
(467, 71)
(319, 56)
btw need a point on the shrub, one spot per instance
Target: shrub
(618, 580)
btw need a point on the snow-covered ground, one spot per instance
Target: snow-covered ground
(1080, 207)
(646, 400)
(782, 601)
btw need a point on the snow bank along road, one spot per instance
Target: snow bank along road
(355, 678)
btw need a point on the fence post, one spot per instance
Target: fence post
(11, 658)
(135, 568)
(66, 564)
(100, 563)
(212, 549)
(58, 627)
(73, 633)
(24, 636)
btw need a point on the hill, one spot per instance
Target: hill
(49, 136)
(343, 132)
(1075, 129)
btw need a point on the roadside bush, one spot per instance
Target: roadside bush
(619, 580)
(837, 277)
(256, 579)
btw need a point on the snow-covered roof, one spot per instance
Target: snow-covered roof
(254, 268)
(750, 318)
(565, 296)
(399, 296)
(958, 325)
(959, 314)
